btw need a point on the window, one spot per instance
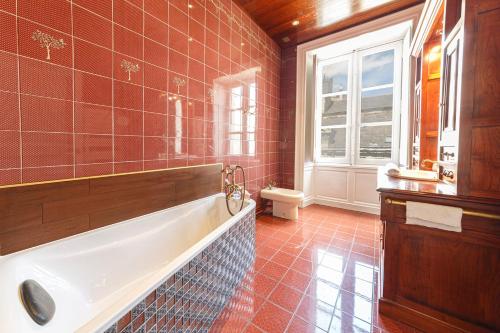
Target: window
(242, 123)
(357, 106)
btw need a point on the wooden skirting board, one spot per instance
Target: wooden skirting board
(438, 322)
(35, 214)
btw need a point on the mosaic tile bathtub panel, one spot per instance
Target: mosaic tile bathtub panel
(192, 298)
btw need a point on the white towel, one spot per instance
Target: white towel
(434, 216)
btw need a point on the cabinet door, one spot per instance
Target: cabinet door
(450, 93)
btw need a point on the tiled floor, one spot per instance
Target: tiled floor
(318, 274)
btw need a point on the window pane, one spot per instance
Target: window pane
(335, 77)
(251, 148)
(251, 122)
(235, 124)
(376, 105)
(334, 110)
(236, 96)
(375, 142)
(378, 69)
(333, 142)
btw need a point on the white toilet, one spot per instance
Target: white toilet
(285, 202)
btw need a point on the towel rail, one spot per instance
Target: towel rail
(465, 212)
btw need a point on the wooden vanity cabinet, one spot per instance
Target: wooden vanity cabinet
(435, 280)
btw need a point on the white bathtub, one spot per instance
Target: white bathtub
(95, 277)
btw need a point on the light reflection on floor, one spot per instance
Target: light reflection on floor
(318, 274)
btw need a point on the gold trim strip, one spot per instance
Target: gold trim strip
(110, 175)
(465, 212)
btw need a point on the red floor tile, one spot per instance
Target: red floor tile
(317, 274)
(263, 285)
(283, 258)
(298, 325)
(315, 312)
(296, 280)
(274, 270)
(272, 318)
(286, 297)
(252, 329)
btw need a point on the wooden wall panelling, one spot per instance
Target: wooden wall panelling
(479, 148)
(34, 214)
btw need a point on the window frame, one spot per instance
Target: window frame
(246, 141)
(353, 116)
(319, 106)
(397, 46)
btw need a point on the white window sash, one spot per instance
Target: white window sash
(396, 103)
(353, 117)
(319, 109)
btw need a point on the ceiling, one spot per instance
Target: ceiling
(316, 18)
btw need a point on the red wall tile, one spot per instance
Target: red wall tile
(128, 148)
(7, 32)
(128, 122)
(10, 176)
(120, 72)
(47, 149)
(155, 124)
(128, 96)
(96, 119)
(155, 29)
(155, 148)
(103, 8)
(93, 58)
(127, 15)
(8, 6)
(93, 89)
(55, 14)
(40, 174)
(90, 148)
(127, 42)
(46, 114)
(177, 18)
(92, 27)
(8, 71)
(81, 115)
(98, 169)
(155, 77)
(157, 8)
(9, 111)
(10, 152)
(155, 53)
(155, 101)
(44, 79)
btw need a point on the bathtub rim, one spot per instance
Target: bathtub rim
(115, 311)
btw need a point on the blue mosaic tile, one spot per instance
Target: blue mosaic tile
(194, 296)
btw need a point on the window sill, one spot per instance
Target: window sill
(346, 166)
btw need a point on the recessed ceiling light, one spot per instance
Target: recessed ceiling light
(190, 6)
(295, 23)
